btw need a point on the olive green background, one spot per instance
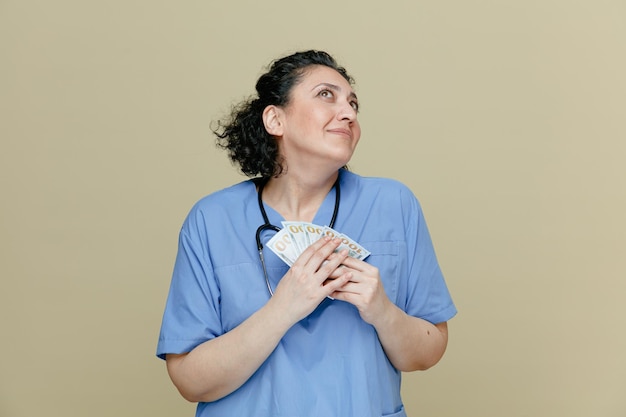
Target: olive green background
(506, 118)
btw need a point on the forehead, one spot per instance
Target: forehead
(319, 74)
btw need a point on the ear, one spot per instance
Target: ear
(272, 120)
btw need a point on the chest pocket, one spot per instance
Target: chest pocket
(386, 257)
(242, 292)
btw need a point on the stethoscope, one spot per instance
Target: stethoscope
(268, 226)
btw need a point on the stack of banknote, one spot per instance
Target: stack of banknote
(295, 237)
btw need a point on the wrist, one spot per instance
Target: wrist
(388, 317)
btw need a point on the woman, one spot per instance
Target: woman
(337, 332)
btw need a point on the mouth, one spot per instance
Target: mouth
(347, 133)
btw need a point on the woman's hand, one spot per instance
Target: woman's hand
(364, 289)
(306, 283)
(410, 343)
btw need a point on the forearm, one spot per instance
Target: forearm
(219, 366)
(411, 343)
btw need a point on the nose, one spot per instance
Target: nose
(347, 111)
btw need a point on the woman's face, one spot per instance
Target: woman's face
(319, 124)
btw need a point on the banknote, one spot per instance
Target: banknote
(298, 235)
(293, 239)
(354, 249)
(282, 245)
(303, 233)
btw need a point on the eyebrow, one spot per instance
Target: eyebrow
(335, 88)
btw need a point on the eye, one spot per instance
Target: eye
(355, 105)
(325, 93)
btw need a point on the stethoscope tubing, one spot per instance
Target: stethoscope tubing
(268, 226)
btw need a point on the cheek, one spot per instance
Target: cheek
(309, 119)
(357, 132)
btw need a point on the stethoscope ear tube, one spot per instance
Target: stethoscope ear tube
(261, 228)
(266, 222)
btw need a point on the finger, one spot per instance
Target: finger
(361, 266)
(356, 264)
(334, 285)
(325, 257)
(310, 251)
(333, 263)
(348, 297)
(349, 287)
(340, 270)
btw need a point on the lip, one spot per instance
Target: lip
(342, 132)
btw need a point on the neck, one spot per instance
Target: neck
(297, 198)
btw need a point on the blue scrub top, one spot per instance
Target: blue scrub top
(330, 363)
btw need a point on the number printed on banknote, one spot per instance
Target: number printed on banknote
(293, 239)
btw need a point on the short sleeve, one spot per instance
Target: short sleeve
(192, 313)
(427, 294)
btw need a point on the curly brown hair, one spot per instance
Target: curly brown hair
(243, 133)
